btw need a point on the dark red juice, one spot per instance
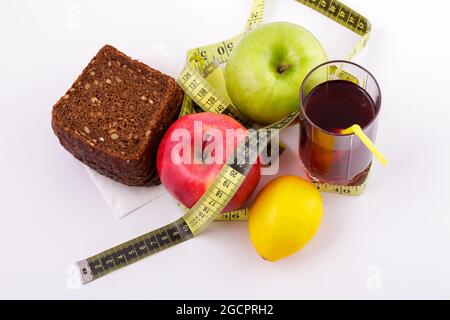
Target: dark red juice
(327, 155)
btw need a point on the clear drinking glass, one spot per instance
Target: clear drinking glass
(334, 96)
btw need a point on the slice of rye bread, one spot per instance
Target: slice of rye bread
(114, 115)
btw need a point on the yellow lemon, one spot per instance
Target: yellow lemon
(284, 217)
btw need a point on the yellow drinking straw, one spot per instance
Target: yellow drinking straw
(356, 129)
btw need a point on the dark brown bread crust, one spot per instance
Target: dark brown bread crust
(114, 115)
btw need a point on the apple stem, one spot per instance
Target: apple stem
(282, 68)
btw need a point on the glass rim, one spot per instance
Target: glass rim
(335, 62)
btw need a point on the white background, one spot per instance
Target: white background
(392, 242)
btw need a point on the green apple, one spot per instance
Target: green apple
(265, 71)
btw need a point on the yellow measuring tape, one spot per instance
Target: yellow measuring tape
(199, 93)
(235, 215)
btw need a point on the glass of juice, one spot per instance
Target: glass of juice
(334, 96)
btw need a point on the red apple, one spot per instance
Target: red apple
(188, 163)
